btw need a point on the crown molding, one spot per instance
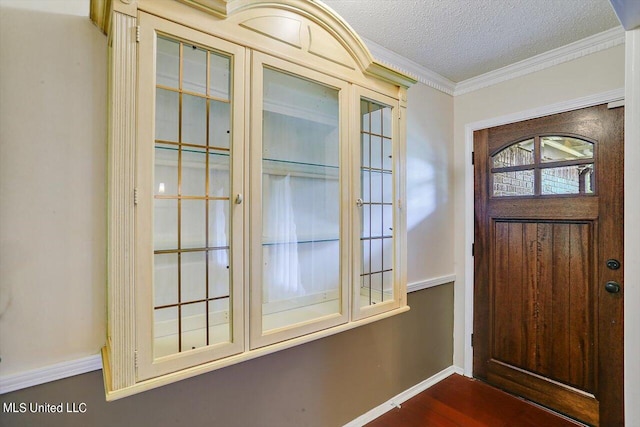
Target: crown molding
(584, 47)
(587, 46)
(397, 61)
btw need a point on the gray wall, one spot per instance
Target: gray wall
(323, 383)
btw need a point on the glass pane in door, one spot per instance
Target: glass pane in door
(300, 201)
(192, 187)
(376, 200)
(560, 148)
(518, 154)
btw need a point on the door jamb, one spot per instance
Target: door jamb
(561, 107)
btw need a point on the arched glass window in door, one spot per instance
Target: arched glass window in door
(544, 165)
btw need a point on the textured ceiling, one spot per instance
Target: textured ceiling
(460, 39)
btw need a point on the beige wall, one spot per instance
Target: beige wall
(52, 189)
(53, 250)
(324, 383)
(596, 73)
(429, 184)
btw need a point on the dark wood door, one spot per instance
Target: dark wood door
(548, 297)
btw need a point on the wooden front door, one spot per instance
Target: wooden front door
(548, 255)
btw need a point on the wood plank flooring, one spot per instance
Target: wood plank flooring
(458, 401)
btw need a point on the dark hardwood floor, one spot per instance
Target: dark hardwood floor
(463, 402)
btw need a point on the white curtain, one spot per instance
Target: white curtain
(281, 269)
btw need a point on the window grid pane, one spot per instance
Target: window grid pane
(192, 167)
(543, 166)
(377, 207)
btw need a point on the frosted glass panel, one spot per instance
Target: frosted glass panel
(165, 224)
(219, 76)
(387, 187)
(377, 211)
(165, 273)
(167, 116)
(166, 170)
(375, 183)
(387, 220)
(219, 124)
(300, 201)
(193, 276)
(366, 153)
(386, 122)
(219, 223)
(168, 63)
(375, 119)
(219, 273)
(165, 331)
(219, 173)
(194, 68)
(194, 326)
(376, 255)
(194, 120)
(194, 172)
(219, 324)
(376, 152)
(387, 154)
(192, 224)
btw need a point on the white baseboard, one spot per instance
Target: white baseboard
(9, 383)
(396, 401)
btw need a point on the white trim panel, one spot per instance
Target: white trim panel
(631, 231)
(398, 400)
(574, 104)
(430, 283)
(9, 383)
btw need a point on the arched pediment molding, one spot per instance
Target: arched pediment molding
(336, 31)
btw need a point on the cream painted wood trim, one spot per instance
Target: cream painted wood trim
(584, 47)
(339, 28)
(316, 11)
(430, 283)
(424, 75)
(121, 182)
(215, 7)
(399, 399)
(99, 13)
(574, 104)
(150, 384)
(9, 383)
(631, 230)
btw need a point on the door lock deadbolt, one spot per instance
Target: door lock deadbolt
(612, 287)
(613, 264)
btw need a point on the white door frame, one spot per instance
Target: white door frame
(561, 107)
